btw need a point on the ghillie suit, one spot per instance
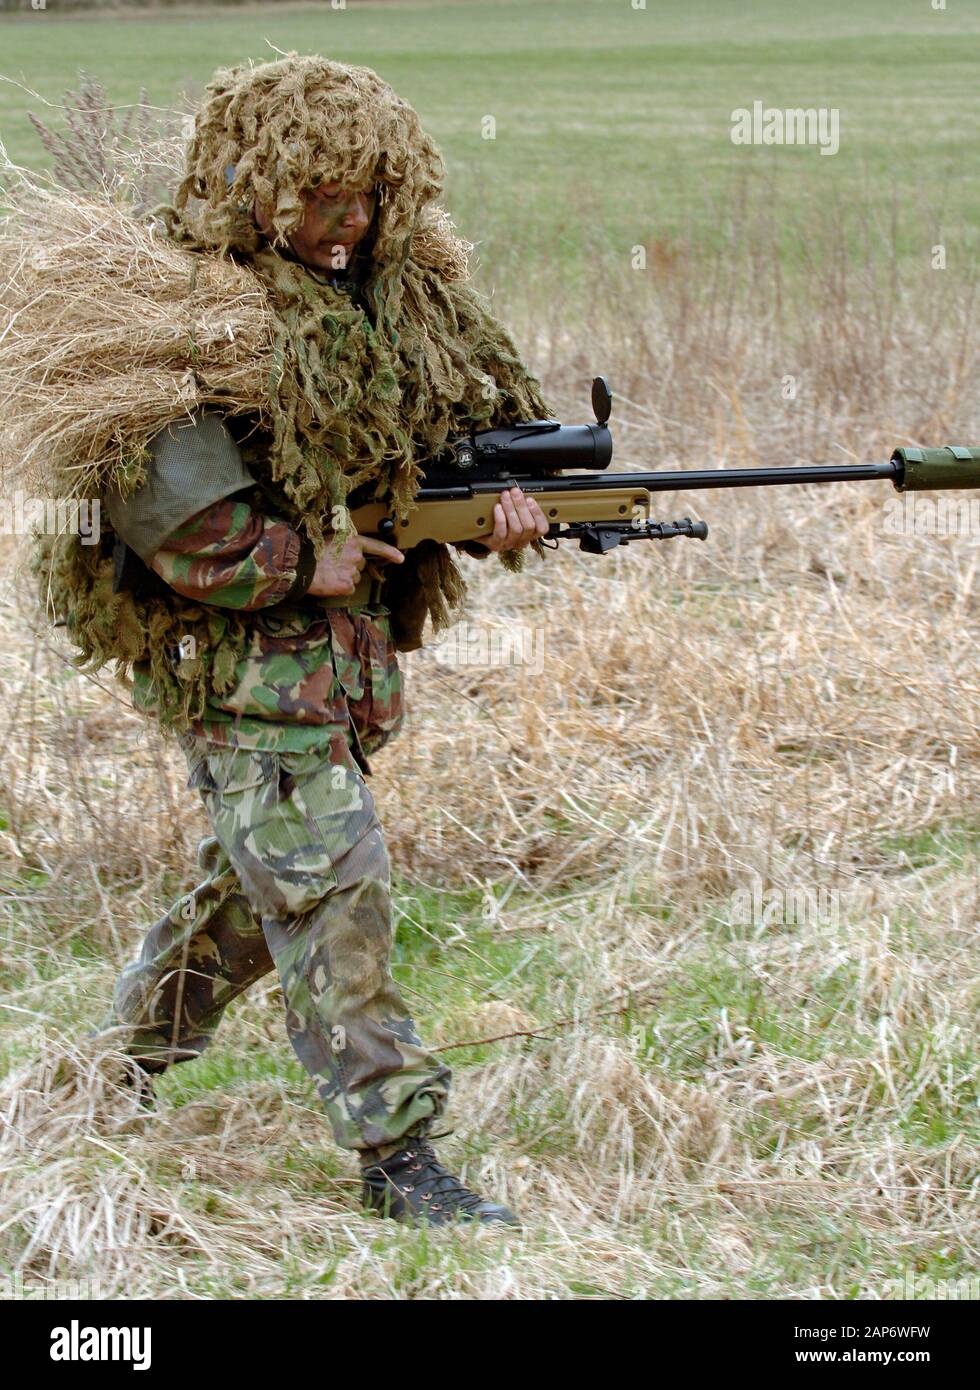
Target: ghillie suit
(354, 393)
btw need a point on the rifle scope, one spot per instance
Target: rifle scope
(535, 445)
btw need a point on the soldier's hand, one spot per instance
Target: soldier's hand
(517, 521)
(337, 575)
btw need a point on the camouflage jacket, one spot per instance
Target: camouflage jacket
(315, 672)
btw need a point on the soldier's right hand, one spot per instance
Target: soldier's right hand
(340, 574)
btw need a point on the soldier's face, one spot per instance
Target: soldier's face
(335, 220)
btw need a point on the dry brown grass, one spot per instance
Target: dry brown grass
(710, 1109)
(132, 330)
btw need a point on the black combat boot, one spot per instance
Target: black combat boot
(413, 1186)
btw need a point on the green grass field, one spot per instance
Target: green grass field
(612, 124)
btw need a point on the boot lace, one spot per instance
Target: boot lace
(435, 1185)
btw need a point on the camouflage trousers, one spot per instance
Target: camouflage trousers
(297, 879)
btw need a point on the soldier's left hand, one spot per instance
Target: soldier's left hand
(517, 521)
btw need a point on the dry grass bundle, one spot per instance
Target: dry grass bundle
(134, 332)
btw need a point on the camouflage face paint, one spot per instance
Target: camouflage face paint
(336, 220)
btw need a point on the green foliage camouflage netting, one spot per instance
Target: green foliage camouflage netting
(116, 322)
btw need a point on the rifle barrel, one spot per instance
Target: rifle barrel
(685, 481)
(690, 479)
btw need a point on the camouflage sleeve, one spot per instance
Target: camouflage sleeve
(189, 465)
(234, 557)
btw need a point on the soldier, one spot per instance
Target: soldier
(217, 542)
